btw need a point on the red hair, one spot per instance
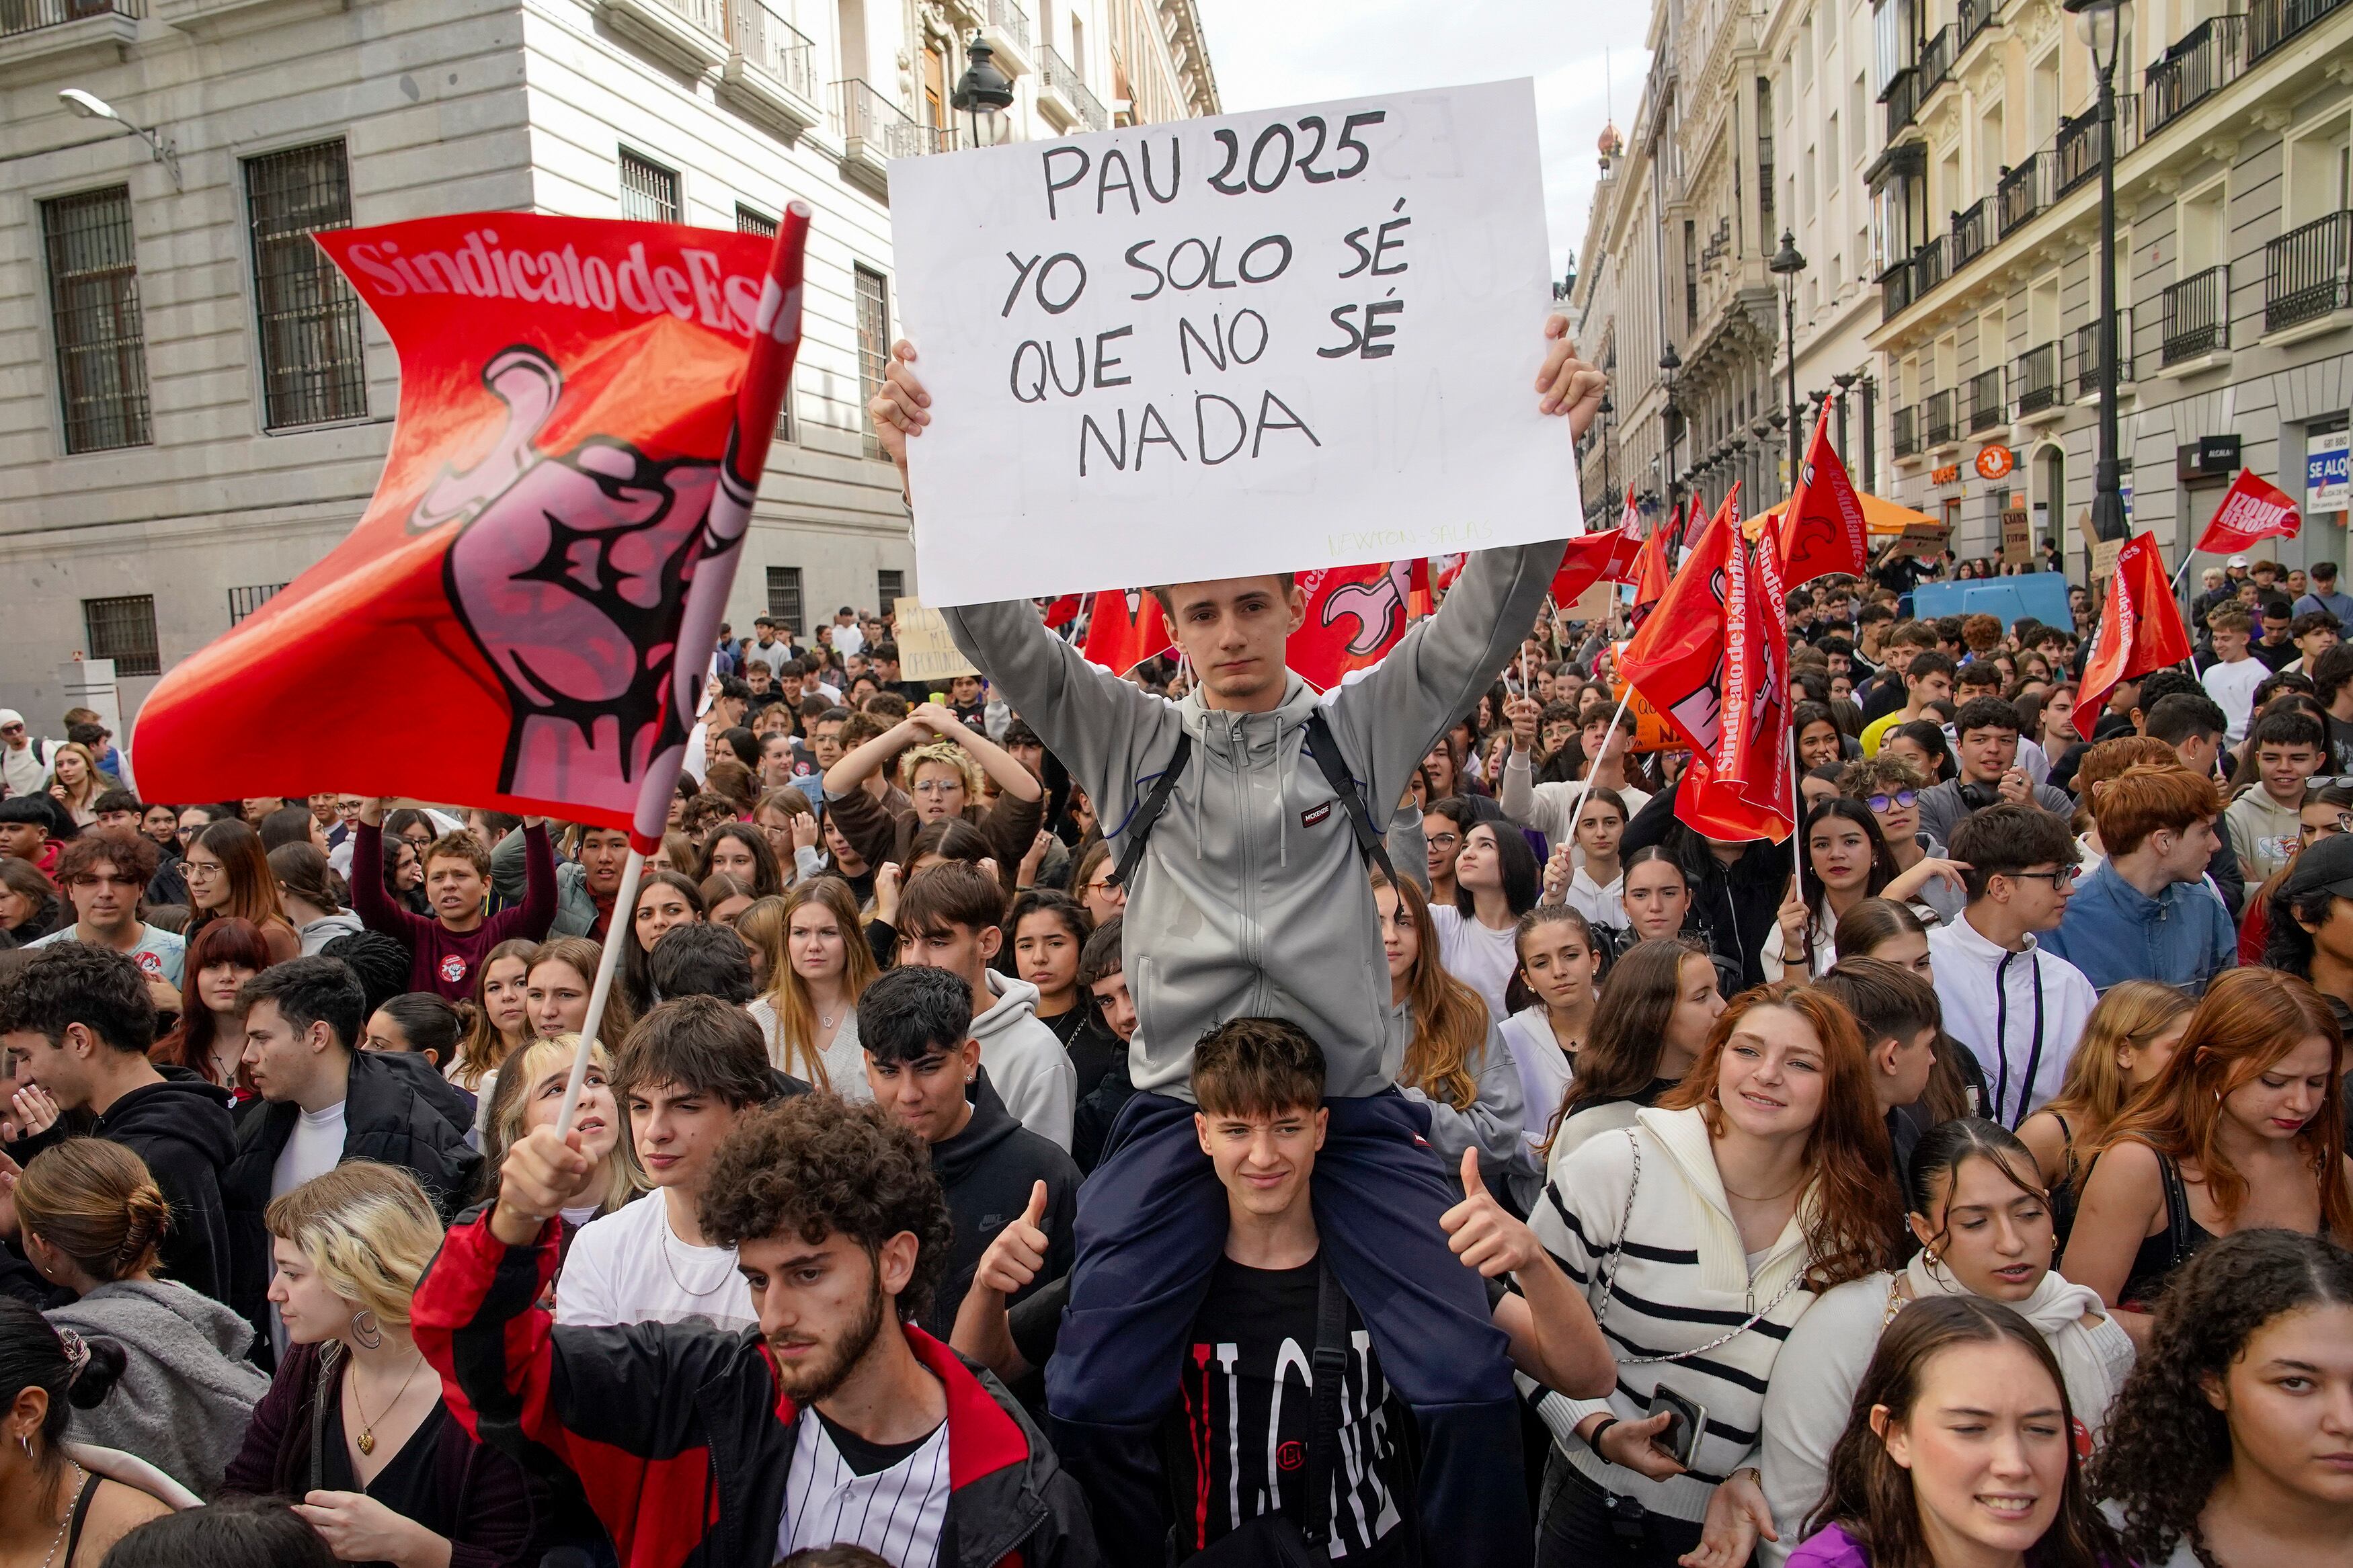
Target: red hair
(2250, 1020)
(1851, 1213)
(227, 939)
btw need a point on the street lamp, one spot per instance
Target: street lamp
(982, 88)
(1786, 265)
(1843, 380)
(1670, 426)
(2100, 24)
(91, 107)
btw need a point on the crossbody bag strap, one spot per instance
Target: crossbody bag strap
(1325, 749)
(1607, 1274)
(1139, 827)
(2176, 1210)
(329, 1357)
(1331, 1366)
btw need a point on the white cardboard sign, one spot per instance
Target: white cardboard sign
(1261, 342)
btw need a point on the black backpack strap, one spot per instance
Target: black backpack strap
(1325, 749)
(1330, 1367)
(1139, 825)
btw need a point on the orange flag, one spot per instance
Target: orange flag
(2140, 630)
(1822, 529)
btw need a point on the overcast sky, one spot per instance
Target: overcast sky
(1271, 53)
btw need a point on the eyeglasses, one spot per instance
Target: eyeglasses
(2060, 880)
(1901, 800)
(1446, 840)
(938, 787)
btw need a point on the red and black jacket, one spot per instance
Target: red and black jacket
(679, 1434)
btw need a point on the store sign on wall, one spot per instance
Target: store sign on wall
(1950, 474)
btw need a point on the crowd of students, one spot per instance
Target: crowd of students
(1183, 1117)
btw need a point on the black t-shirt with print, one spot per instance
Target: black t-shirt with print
(1237, 1443)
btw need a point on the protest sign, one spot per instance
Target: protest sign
(2017, 537)
(925, 650)
(1261, 342)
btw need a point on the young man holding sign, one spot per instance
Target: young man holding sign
(1244, 847)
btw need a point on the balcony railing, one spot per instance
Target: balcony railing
(1968, 233)
(1936, 427)
(2271, 23)
(2308, 272)
(1936, 60)
(774, 46)
(2075, 152)
(1903, 101)
(1895, 290)
(27, 16)
(1975, 14)
(865, 116)
(2209, 56)
(2197, 314)
(2088, 355)
(1057, 75)
(1007, 17)
(1906, 431)
(1928, 267)
(2025, 190)
(1988, 402)
(2038, 379)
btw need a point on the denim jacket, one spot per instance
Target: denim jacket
(2114, 931)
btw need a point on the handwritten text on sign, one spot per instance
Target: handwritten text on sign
(1262, 342)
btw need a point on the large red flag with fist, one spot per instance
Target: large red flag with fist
(1355, 616)
(585, 410)
(2140, 630)
(1822, 527)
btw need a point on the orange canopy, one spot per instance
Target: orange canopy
(1884, 517)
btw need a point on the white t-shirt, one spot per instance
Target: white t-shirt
(314, 1148)
(159, 954)
(630, 1267)
(2233, 688)
(1481, 959)
(897, 1513)
(848, 640)
(1600, 905)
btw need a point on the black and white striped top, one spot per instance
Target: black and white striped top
(1681, 1281)
(896, 1513)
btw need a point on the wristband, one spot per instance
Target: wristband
(1594, 1440)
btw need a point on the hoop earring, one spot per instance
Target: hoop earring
(365, 1330)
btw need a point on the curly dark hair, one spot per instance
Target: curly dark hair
(814, 1165)
(2165, 1445)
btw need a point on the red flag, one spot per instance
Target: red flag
(1127, 628)
(1677, 660)
(585, 411)
(1766, 785)
(2252, 509)
(1592, 557)
(1822, 530)
(1355, 616)
(1651, 575)
(1061, 612)
(2140, 630)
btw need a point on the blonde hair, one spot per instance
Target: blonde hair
(94, 1201)
(1450, 1019)
(791, 1047)
(511, 1103)
(368, 1229)
(944, 752)
(2132, 1012)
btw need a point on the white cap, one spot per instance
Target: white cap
(10, 716)
(2237, 560)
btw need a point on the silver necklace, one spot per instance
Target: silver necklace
(60, 1539)
(672, 1269)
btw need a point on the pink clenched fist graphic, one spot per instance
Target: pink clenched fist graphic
(569, 572)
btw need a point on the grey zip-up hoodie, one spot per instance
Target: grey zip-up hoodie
(1033, 1074)
(186, 1392)
(1251, 900)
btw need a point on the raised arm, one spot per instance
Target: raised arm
(369, 900)
(1011, 778)
(864, 761)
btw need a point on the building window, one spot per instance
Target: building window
(873, 347)
(94, 310)
(312, 368)
(648, 191)
(751, 220)
(243, 602)
(124, 631)
(785, 596)
(889, 587)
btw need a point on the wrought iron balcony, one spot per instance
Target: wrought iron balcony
(2075, 152)
(1902, 100)
(28, 15)
(1968, 233)
(1975, 14)
(1906, 431)
(2197, 313)
(2208, 58)
(2037, 373)
(1936, 60)
(1895, 290)
(1988, 405)
(1937, 424)
(1063, 97)
(2308, 272)
(2271, 23)
(874, 126)
(2088, 355)
(1928, 267)
(2025, 190)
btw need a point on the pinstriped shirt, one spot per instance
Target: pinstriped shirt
(897, 1512)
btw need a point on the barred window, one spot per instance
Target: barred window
(648, 191)
(312, 369)
(873, 348)
(785, 596)
(124, 630)
(243, 602)
(889, 588)
(94, 309)
(751, 220)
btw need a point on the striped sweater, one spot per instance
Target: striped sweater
(1680, 1280)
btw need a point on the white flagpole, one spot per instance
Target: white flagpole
(1585, 785)
(624, 904)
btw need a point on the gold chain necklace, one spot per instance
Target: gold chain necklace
(367, 1427)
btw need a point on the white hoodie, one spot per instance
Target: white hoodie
(1031, 1072)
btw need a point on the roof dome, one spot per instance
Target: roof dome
(1611, 143)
